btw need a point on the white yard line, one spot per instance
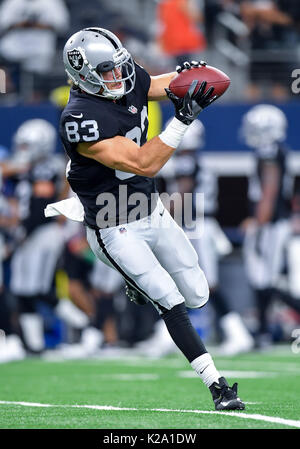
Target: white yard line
(187, 374)
(181, 363)
(242, 415)
(119, 360)
(130, 377)
(261, 364)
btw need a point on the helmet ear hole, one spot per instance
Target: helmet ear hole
(105, 66)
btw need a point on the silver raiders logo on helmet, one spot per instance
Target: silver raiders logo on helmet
(75, 59)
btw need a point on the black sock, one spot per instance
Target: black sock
(182, 332)
(263, 300)
(219, 302)
(285, 297)
(5, 318)
(27, 304)
(104, 309)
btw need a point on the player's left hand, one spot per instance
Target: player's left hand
(186, 65)
(189, 107)
(205, 99)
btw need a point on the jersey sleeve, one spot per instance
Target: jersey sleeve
(76, 128)
(142, 78)
(86, 123)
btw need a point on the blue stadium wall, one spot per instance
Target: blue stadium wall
(222, 123)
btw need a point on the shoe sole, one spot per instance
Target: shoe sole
(232, 405)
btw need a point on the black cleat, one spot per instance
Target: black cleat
(134, 295)
(225, 397)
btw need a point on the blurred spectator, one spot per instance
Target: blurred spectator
(29, 29)
(94, 13)
(280, 12)
(211, 9)
(273, 39)
(179, 33)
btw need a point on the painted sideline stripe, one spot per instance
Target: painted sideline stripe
(130, 377)
(231, 374)
(242, 415)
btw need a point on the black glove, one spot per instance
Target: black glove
(134, 295)
(189, 107)
(189, 65)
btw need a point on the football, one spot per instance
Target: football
(214, 77)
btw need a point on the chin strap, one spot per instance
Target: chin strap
(114, 94)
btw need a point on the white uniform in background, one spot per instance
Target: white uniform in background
(11, 347)
(266, 245)
(34, 261)
(264, 129)
(213, 243)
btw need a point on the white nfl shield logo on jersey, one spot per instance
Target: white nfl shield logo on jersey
(132, 109)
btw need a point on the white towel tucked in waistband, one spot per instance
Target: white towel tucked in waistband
(70, 208)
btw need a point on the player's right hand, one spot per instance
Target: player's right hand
(189, 107)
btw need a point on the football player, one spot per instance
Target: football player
(192, 175)
(11, 347)
(270, 191)
(92, 286)
(104, 129)
(34, 261)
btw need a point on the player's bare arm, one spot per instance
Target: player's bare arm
(121, 153)
(9, 169)
(158, 84)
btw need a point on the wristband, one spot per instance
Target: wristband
(173, 133)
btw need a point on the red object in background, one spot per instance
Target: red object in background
(214, 77)
(179, 32)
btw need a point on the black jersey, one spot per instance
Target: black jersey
(31, 203)
(276, 154)
(188, 163)
(108, 196)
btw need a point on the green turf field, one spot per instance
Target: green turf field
(137, 393)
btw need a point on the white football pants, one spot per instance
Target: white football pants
(263, 252)
(155, 256)
(210, 247)
(34, 262)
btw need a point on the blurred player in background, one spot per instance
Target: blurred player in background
(185, 173)
(11, 347)
(264, 128)
(40, 241)
(91, 286)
